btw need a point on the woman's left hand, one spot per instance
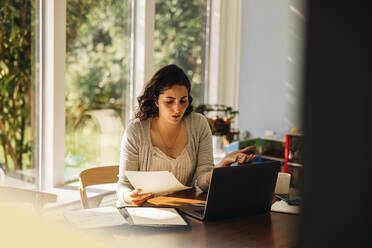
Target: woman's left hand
(239, 156)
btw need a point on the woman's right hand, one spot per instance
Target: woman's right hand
(134, 197)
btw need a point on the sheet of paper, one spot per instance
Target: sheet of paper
(95, 217)
(156, 182)
(283, 207)
(155, 216)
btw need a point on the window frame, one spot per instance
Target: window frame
(52, 93)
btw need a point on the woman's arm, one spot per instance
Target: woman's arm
(204, 154)
(128, 161)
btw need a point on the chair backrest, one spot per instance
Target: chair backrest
(37, 198)
(2, 177)
(95, 176)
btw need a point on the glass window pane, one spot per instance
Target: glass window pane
(179, 38)
(17, 101)
(97, 77)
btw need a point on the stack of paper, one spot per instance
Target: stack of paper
(157, 182)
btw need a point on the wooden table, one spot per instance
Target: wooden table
(264, 230)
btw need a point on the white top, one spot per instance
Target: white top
(181, 167)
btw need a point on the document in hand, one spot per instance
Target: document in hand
(156, 182)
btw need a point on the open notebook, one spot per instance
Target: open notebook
(138, 216)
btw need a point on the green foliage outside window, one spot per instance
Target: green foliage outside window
(97, 59)
(16, 36)
(97, 71)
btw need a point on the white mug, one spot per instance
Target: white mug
(282, 183)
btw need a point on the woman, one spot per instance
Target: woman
(166, 135)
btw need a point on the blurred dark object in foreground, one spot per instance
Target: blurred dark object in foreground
(336, 180)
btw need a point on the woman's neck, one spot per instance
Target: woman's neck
(166, 127)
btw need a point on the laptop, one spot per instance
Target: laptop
(236, 191)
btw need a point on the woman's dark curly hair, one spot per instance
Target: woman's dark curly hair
(163, 79)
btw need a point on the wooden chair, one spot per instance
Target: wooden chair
(2, 177)
(37, 198)
(95, 176)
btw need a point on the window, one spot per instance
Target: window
(97, 77)
(180, 38)
(18, 85)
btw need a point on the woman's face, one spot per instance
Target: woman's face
(173, 103)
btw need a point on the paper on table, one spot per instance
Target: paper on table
(95, 217)
(283, 207)
(155, 216)
(154, 181)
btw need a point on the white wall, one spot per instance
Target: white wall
(269, 82)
